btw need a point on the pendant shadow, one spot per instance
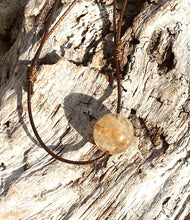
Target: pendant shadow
(82, 112)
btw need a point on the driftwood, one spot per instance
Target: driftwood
(150, 180)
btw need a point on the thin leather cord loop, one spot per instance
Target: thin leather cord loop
(32, 75)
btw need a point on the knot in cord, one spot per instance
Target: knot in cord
(31, 76)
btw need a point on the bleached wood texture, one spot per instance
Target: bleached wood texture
(151, 180)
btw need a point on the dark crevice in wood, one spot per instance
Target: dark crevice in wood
(134, 7)
(162, 52)
(2, 166)
(166, 201)
(134, 41)
(165, 145)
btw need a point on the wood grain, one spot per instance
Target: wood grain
(151, 181)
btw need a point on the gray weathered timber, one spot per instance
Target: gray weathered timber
(149, 181)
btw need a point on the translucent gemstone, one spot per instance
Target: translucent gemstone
(113, 133)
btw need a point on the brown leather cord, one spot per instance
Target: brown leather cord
(32, 74)
(118, 49)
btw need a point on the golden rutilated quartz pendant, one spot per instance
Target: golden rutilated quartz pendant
(113, 133)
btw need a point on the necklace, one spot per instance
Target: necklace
(113, 133)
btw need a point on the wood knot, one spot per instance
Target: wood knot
(31, 76)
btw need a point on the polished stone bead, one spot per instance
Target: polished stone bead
(113, 133)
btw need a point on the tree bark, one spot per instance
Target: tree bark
(75, 87)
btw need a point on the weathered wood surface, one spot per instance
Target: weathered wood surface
(151, 181)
